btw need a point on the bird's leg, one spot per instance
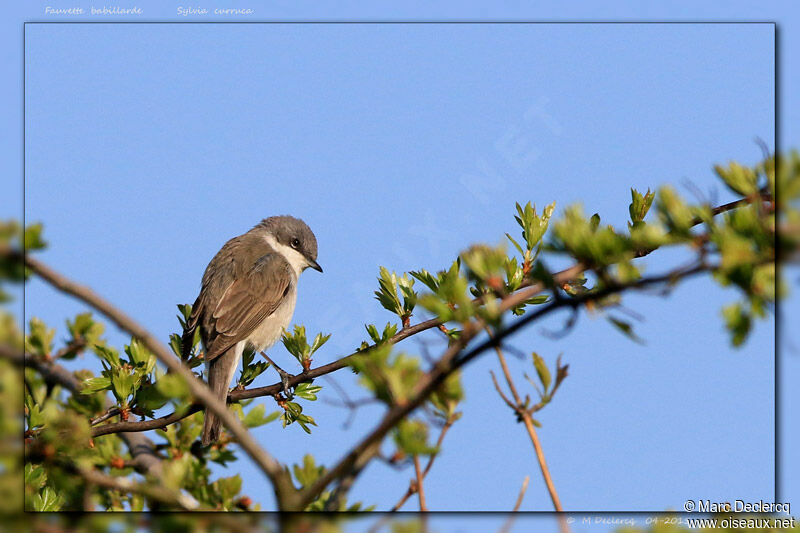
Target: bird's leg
(285, 376)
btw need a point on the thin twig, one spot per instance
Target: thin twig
(525, 415)
(411, 486)
(420, 486)
(72, 348)
(537, 446)
(109, 413)
(521, 494)
(510, 522)
(500, 391)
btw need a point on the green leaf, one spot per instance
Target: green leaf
(626, 329)
(296, 343)
(93, 385)
(149, 398)
(35, 476)
(84, 327)
(741, 180)
(533, 225)
(319, 340)
(256, 416)
(307, 391)
(516, 244)
(137, 503)
(176, 344)
(140, 356)
(574, 234)
(110, 355)
(594, 222)
(172, 386)
(542, 371)
(411, 436)
(33, 237)
(389, 331)
(674, 212)
(122, 384)
(738, 322)
(185, 311)
(387, 293)
(47, 501)
(640, 204)
(40, 338)
(309, 472)
(390, 377)
(229, 487)
(35, 417)
(430, 281)
(485, 264)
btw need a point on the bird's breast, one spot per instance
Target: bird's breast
(269, 331)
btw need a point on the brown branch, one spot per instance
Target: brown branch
(156, 492)
(525, 415)
(284, 490)
(527, 290)
(146, 425)
(510, 522)
(502, 394)
(537, 446)
(521, 494)
(366, 449)
(420, 486)
(452, 359)
(72, 348)
(127, 485)
(109, 413)
(411, 486)
(142, 449)
(271, 390)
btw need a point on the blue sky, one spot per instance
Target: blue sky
(149, 145)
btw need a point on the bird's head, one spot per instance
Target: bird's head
(294, 239)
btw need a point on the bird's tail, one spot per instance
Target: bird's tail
(219, 377)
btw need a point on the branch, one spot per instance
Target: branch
(154, 491)
(521, 494)
(122, 484)
(525, 415)
(527, 290)
(420, 487)
(510, 522)
(142, 449)
(411, 487)
(146, 425)
(452, 359)
(72, 348)
(520, 296)
(282, 484)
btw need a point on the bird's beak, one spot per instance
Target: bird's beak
(313, 264)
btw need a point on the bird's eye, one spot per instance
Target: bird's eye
(295, 243)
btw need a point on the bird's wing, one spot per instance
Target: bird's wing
(247, 301)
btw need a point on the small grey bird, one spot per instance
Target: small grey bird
(247, 297)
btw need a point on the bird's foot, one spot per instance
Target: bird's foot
(285, 377)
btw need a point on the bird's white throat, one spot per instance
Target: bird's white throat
(296, 260)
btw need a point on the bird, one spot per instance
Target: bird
(247, 298)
